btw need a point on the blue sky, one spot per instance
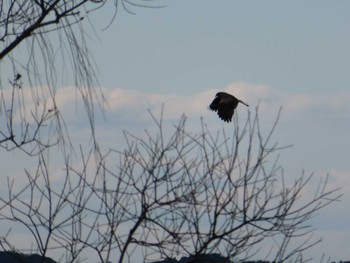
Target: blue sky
(191, 46)
(292, 54)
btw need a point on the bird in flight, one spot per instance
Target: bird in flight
(225, 104)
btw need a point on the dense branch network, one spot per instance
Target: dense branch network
(172, 194)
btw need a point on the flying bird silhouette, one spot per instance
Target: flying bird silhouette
(225, 104)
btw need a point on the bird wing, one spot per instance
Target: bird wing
(214, 106)
(226, 109)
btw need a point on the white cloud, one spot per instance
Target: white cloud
(133, 105)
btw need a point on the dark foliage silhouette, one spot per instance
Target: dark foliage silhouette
(15, 257)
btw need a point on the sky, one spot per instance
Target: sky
(293, 55)
(191, 46)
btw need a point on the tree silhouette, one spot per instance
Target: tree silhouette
(43, 46)
(171, 194)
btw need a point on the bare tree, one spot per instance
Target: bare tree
(43, 47)
(169, 195)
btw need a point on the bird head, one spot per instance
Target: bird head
(219, 94)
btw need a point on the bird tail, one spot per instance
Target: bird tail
(243, 103)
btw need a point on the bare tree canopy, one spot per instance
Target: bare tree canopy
(23, 19)
(43, 46)
(172, 194)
